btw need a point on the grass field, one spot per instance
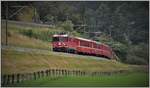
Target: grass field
(15, 38)
(25, 62)
(21, 62)
(124, 80)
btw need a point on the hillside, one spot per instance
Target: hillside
(21, 62)
(17, 36)
(27, 30)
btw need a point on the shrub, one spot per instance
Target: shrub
(67, 26)
(42, 35)
(28, 33)
(138, 54)
(120, 50)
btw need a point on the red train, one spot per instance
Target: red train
(65, 43)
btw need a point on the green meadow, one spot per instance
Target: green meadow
(133, 79)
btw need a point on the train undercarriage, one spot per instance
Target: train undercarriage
(73, 51)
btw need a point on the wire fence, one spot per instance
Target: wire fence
(27, 24)
(20, 77)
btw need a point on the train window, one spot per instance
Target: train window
(62, 39)
(100, 46)
(84, 43)
(95, 45)
(90, 44)
(105, 48)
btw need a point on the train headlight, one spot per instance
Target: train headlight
(59, 43)
(63, 44)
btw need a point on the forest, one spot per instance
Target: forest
(123, 25)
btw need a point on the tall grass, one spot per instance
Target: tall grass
(21, 62)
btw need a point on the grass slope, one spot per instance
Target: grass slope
(21, 62)
(16, 38)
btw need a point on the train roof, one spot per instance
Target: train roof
(92, 41)
(65, 35)
(56, 35)
(84, 39)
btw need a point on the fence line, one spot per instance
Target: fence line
(28, 24)
(17, 78)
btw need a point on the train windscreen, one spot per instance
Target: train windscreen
(60, 39)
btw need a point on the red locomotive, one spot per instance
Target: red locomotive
(65, 43)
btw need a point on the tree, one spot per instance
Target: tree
(67, 26)
(103, 17)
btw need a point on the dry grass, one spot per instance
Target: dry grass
(24, 41)
(18, 62)
(17, 39)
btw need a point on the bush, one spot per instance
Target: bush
(133, 59)
(28, 33)
(120, 50)
(67, 26)
(138, 54)
(42, 35)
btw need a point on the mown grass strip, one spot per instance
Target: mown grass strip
(124, 80)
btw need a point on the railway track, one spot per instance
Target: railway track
(48, 52)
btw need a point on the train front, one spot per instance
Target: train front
(59, 43)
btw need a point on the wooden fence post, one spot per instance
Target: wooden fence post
(13, 78)
(26, 76)
(4, 78)
(49, 72)
(62, 72)
(53, 72)
(31, 76)
(22, 76)
(58, 72)
(46, 72)
(69, 72)
(8, 79)
(18, 78)
(39, 74)
(73, 73)
(42, 74)
(83, 73)
(65, 72)
(78, 73)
